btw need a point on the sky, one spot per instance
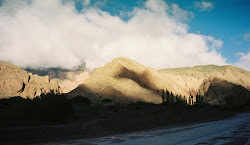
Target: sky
(157, 33)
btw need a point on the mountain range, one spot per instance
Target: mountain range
(125, 81)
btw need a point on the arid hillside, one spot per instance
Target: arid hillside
(194, 76)
(124, 80)
(17, 82)
(203, 79)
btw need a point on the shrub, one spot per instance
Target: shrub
(107, 101)
(49, 107)
(80, 100)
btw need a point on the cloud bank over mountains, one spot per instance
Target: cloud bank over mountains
(45, 33)
(244, 61)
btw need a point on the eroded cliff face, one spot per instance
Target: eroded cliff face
(17, 82)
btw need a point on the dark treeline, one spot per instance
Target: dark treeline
(60, 109)
(49, 107)
(170, 98)
(46, 108)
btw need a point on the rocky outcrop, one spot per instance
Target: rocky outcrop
(17, 82)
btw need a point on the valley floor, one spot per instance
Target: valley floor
(154, 121)
(234, 130)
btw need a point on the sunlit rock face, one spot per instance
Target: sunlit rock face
(15, 81)
(124, 80)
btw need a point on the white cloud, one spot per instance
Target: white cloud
(246, 36)
(204, 6)
(86, 2)
(243, 61)
(51, 33)
(81, 3)
(158, 6)
(213, 43)
(180, 14)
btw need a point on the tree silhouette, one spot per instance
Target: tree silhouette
(167, 96)
(171, 98)
(163, 96)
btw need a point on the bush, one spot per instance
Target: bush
(53, 107)
(81, 100)
(107, 101)
(49, 107)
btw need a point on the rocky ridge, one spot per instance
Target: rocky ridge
(17, 82)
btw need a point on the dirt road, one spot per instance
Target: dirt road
(235, 130)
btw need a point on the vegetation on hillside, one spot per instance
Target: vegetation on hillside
(49, 107)
(60, 109)
(170, 98)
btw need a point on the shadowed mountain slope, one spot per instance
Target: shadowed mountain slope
(222, 92)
